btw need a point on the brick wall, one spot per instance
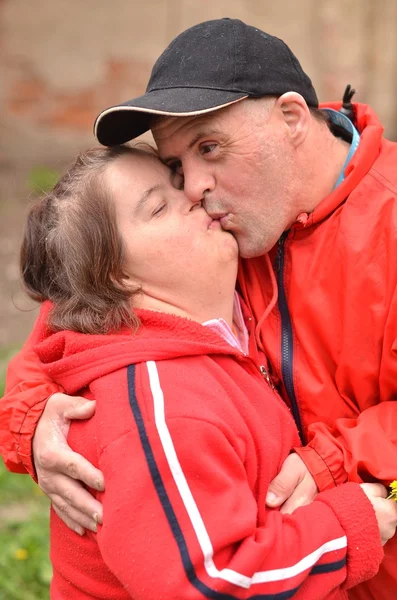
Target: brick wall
(62, 61)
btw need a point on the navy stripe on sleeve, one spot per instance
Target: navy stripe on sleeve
(169, 512)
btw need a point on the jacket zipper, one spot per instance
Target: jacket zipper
(287, 347)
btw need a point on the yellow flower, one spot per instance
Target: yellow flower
(21, 554)
(393, 493)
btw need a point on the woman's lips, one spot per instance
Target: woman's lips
(215, 224)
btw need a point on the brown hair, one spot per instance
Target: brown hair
(72, 252)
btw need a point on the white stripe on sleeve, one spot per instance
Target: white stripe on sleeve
(194, 514)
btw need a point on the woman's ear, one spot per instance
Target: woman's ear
(296, 115)
(130, 284)
(124, 281)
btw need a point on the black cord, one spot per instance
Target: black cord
(347, 106)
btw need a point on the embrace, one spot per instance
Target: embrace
(208, 394)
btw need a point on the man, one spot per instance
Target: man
(311, 200)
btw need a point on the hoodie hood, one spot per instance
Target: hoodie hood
(74, 359)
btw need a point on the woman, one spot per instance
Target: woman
(144, 318)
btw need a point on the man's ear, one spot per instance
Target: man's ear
(296, 115)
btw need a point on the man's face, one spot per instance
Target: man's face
(240, 162)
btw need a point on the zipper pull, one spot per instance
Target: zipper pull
(265, 374)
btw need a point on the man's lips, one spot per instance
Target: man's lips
(219, 217)
(223, 221)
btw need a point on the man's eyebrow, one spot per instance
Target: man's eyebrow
(199, 135)
(145, 196)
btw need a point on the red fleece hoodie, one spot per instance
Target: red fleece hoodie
(189, 435)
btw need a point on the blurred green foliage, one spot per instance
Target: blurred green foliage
(25, 570)
(42, 179)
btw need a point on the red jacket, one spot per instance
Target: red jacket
(336, 275)
(339, 279)
(189, 435)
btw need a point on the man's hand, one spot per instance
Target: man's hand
(292, 487)
(385, 510)
(58, 467)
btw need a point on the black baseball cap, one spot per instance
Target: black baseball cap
(205, 68)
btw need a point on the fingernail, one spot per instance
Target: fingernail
(271, 498)
(99, 485)
(93, 526)
(79, 530)
(97, 517)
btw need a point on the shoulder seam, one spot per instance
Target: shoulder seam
(383, 181)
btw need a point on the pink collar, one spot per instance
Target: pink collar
(236, 337)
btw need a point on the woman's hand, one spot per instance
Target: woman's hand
(60, 471)
(294, 486)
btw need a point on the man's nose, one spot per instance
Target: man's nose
(197, 184)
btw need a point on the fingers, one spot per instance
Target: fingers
(385, 510)
(68, 463)
(386, 514)
(60, 471)
(73, 525)
(59, 411)
(80, 408)
(66, 407)
(283, 485)
(374, 489)
(80, 511)
(303, 494)
(73, 501)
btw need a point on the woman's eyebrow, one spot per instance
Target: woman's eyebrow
(145, 196)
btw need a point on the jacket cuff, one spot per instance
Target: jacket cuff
(357, 518)
(317, 467)
(331, 454)
(25, 437)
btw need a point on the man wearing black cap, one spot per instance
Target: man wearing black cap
(311, 197)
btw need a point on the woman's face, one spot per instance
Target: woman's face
(169, 242)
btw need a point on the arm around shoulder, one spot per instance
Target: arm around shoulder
(27, 391)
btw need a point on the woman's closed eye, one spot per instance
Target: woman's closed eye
(159, 209)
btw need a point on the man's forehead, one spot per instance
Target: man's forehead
(176, 134)
(163, 127)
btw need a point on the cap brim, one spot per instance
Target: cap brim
(119, 124)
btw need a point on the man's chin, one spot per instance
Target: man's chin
(249, 249)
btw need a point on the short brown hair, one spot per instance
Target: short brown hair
(72, 253)
(319, 115)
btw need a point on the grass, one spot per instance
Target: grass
(25, 570)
